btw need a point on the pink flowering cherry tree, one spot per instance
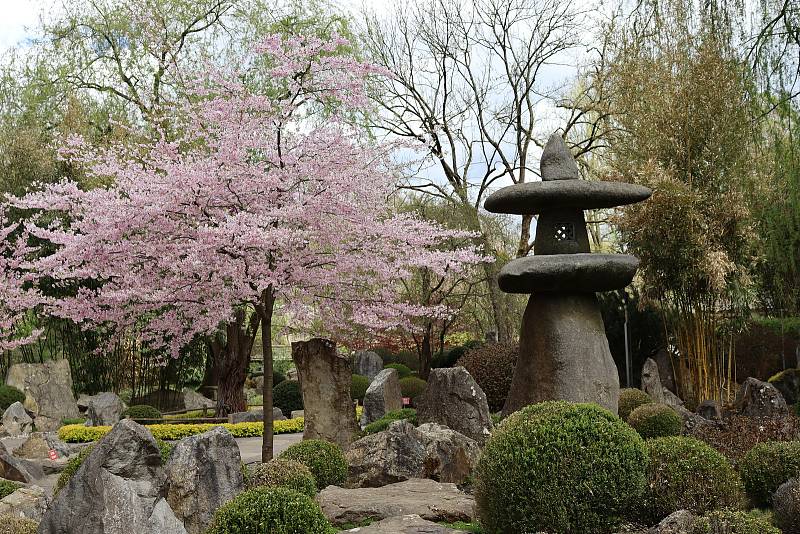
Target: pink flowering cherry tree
(262, 197)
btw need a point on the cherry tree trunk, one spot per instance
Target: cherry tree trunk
(232, 362)
(265, 310)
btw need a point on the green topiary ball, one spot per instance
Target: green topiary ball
(559, 467)
(656, 421)
(358, 387)
(630, 399)
(409, 414)
(10, 524)
(325, 461)
(277, 378)
(142, 411)
(687, 474)
(411, 386)
(492, 367)
(273, 510)
(402, 370)
(7, 487)
(733, 522)
(72, 466)
(9, 395)
(288, 397)
(768, 465)
(283, 473)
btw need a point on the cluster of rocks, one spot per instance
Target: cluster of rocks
(48, 395)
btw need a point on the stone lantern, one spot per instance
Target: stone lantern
(563, 350)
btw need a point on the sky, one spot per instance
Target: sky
(17, 15)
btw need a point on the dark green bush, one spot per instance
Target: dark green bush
(287, 396)
(687, 474)
(559, 467)
(492, 366)
(9, 395)
(325, 461)
(270, 510)
(277, 378)
(73, 421)
(283, 473)
(630, 399)
(768, 465)
(733, 522)
(358, 387)
(142, 411)
(7, 487)
(411, 386)
(786, 506)
(409, 414)
(449, 358)
(656, 421)
(72, 466)
(402, 370)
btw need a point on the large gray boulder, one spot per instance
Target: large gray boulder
(39, 444)
(406, 524)
(403, 452)
(16, 469)
(786, 506)
(760, 399)
(29, 502)
(455, 400)
(115, 490)
(383, 396)
(653, 386)
(325, 378)
(48, 391)
(163, 520)
(680, 522)
(193, 400)
(367, 363)
(431, 500)
(203, 473)
(105, 409)
(255, 416)
(16, 420)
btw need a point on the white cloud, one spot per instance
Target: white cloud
(19, 18)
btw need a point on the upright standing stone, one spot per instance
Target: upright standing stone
(455, 400)
(16, 420)
(48, 391)
(367, 363)
(325, 382)
(203, 473)
(383, 396)
(564, 352)
(105, 409)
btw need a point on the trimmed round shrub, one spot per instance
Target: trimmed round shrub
(277, 378)
(559, 467)
(7, 487)
(10, 524)
(9, 395)
(142, 411)
(411, 386)
(492, 367)
(409, 414)
(358, 387)
(630, 399)
(283, 473)
(263, 510)
(687, 474)
(402, 370)
(288, 397)
(786, 506)
(72, 466)
(733, 522)
(325, 461)
(768, 465)
(656, 421)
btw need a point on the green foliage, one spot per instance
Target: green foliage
(165, 448)
(411, 386)
(465, 527)
(7, 487)
(409, 414)
(492, 367)
(277, 378)
(733, 522)
(72, 466)
(73, 421)
(449, 358)
(274, 510)
(768, 465)
(288, 397)
(630, 399)
(10, 524)
(685, 473)
(9, 395)
(358, 387)
(402, 370)
(656, 421)
(325, 461)
(142, 411)
(283, 473)
(559, 467)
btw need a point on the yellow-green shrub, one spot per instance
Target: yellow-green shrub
(325, 460)
(768, 465)
(656, 421)
(630, 399)
(10, 524)
(283, 473)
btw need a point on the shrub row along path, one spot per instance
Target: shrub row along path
(250, 449)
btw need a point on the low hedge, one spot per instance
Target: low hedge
(402, 370)
(768, 465)
(142, 411)
(325, 460)
(656, 421)
(87, 434)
